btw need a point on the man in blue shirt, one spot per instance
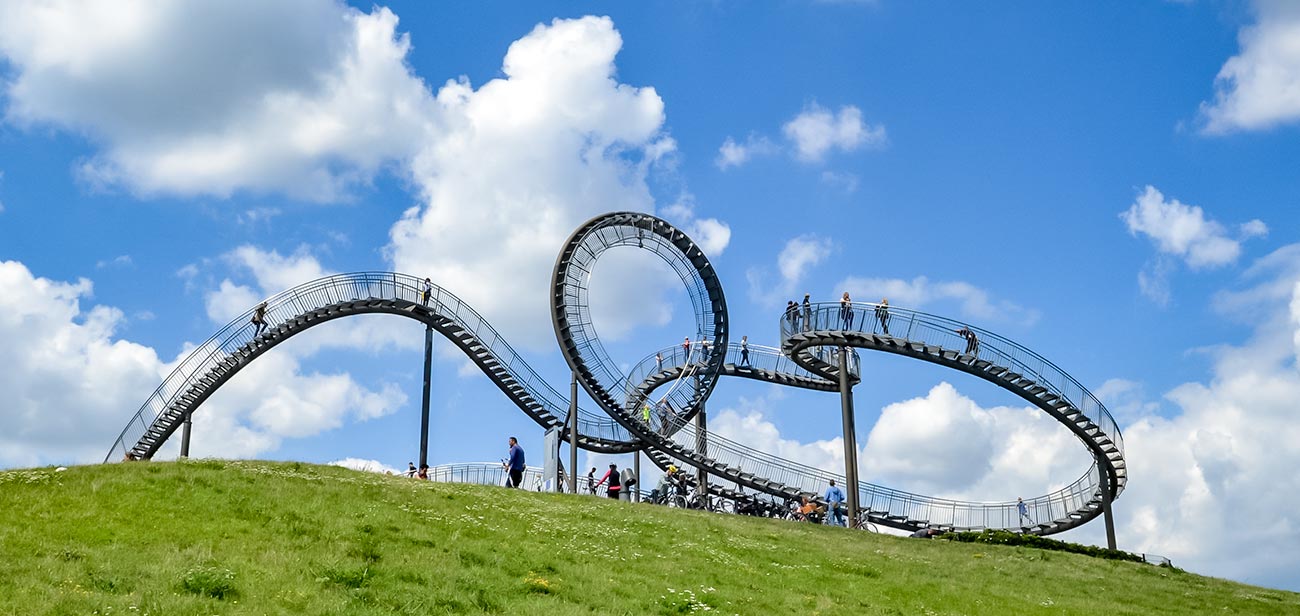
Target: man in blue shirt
(834, 502)
(515, 464)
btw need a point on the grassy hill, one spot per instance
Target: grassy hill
(213, 537)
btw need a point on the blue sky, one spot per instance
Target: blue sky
(1114, 187)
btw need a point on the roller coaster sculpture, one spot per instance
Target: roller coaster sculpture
(818, 351)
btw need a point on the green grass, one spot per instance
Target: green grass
(211, 537)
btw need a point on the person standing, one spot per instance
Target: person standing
(972, 343)
(686, 350)
(591, 480)
(1023, 510)
(410, 469)
(659, 362)
(807, 311)
(744, 350)
(645, 412)
(882, 314)
(846, 311)
(426, 291)
(792, 316)
(515, 464)
(611, 476)
(835, 504)
(259, 319)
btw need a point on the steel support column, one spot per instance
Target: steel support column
(636, 472)
(1107, 490)
(573, 434)
(185, 434)
(701, 447)
(424, 404)
(850, 438)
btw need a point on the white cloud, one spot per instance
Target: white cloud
(306, 97)
(1260, 86)
(521, 162)
(732, 154)
(817, 131)
(844, 181)
(367, 466)
(1183, 230)
(71, 383)
(1153, 280)
(118, 261)
(793, 262)
(921, 293)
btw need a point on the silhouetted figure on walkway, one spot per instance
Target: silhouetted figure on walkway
(515, 464)
(259, 319)
(659, 362)
(744, 350)
(882, 314)
(792, 315)
(807, 312)
(972, 343)
(686, 349)
(1023, 510)
(846, 311)
(426, 291)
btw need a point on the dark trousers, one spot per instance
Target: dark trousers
(516, 478)
(612, 493)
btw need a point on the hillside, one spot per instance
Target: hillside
(212, 537)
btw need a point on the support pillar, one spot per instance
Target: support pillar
(850, 438)
(702, 448)
(636, 472)
(424, 404)
(185, 434)
(573, 434)
(1107, 489)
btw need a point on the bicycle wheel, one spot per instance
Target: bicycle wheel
(726, 506)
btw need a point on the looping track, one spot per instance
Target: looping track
(688, 374)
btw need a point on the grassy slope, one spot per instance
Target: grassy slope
(302, 539)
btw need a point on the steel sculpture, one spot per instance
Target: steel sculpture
(820, 353)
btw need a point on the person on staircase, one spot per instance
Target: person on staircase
(846, 311)
(882, 314)
(744, 350)
(972, 343)
(426, 291)
(807, 311)
(259, 319)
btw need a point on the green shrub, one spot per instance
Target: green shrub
(1004, 537)
(215, 582)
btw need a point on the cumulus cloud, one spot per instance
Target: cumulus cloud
(816, 131)
(793, 262)
(921, 293)
(71, 383)
(307, 97)
(367, 466)
(522, 161)
(1183, 231)
(733, 154)
(1260, 86)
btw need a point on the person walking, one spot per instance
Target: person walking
(807, 311)
(259, 319)
(426, 291)
(410, 469)
(835, 504)
(792, 315)
(846, 311)
(645, 412)
(972, 343)
(744, 350)
(515, 464)
(882, 314)
(1023, 510)
(591, 480)
(611, 476)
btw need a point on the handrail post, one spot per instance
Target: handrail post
(424, 404)
(850, 436)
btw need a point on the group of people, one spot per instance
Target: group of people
(800, 315)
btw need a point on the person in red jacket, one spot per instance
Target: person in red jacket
(615, 486)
